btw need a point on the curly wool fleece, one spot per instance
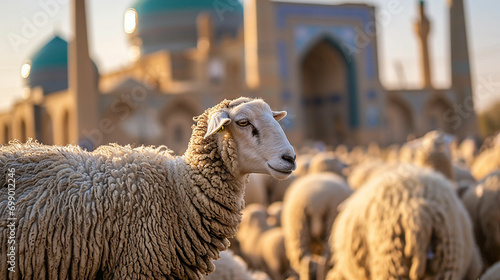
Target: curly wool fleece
(406, 224)
(122, 212)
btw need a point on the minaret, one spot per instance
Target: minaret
(460, 69)
(82, 82)
(261, 63)
(423, 27)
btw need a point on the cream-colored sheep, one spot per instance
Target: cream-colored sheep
(276, 189)
(326, 162)
(486, 162)
(260, 245)
(121, 212)
(406, 224)
(309, 209)
(493, 273)
(483, 205)
(467, 151)
(255, 191)
(434, 152)
(363, 172)
(274, 214)
(231, 267)
(303, 162)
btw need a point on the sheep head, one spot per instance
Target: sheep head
(261, 143)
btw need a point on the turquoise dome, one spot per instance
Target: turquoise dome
(53, 55)
(49, 67)
(171, 24)
(144, 7)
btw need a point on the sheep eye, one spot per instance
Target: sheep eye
(243, 123)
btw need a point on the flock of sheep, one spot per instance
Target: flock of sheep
(429, 209)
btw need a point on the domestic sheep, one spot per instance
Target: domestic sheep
(274, 214)
(326, 162)
(486, 162)
(121, 212)
(309, 209)
(434, 152)
(493, 273)
(483, 205)
(276, 189)
(303, 162)
(231, 267)
(361, 173)
(406, 224)
(261, 245)
(256, 191)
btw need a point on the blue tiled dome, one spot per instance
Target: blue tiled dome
(49, 66)
(171, 24)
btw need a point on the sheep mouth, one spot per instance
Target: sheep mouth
(287, 172)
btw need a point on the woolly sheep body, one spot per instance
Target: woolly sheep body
(260, 245)
(486, 162)
(493, 273)
(119, 212)
(406, 224)
(231, 267)
(326, 162)
(309, 209)
(255, 191)
(483, 205)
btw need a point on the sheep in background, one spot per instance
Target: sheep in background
(274, 214)
(434, 152)
(391, 154)
(357, 155)
(231, 267)
(463, 179)
(467, 151)
(119, 212)
(493, 273)
(326, 162)
(255, 191)
(303, 161)
(276, 189)
(486, 162)
(262, 246)
(483, 205)
(362, 173)
(406, 224)
(309, 209)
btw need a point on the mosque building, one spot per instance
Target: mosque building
(317, 61)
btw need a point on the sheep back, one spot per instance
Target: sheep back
(309, 209)
(408, 223)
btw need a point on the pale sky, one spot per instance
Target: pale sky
(397, 42)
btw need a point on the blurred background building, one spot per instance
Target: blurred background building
(317, 61)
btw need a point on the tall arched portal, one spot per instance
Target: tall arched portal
(328, 93)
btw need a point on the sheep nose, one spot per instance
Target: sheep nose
(289, 159)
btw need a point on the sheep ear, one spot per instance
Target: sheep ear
(217, 122)
(279, 115)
